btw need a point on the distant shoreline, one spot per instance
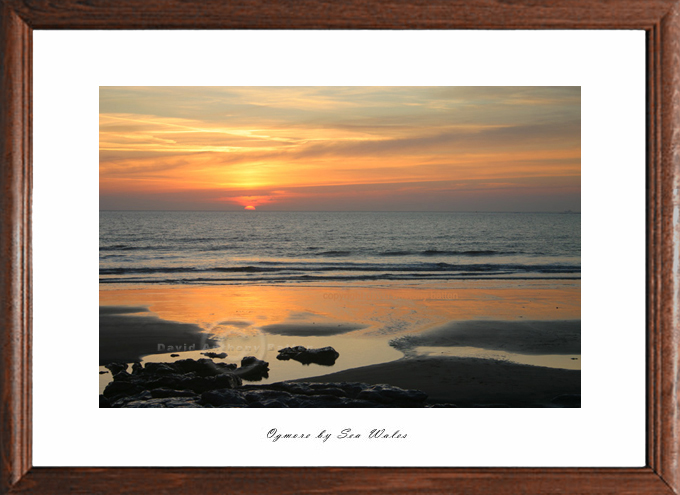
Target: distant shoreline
(355, 211)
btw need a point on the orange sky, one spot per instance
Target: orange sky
(340, 148)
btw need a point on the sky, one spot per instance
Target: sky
(340, 148)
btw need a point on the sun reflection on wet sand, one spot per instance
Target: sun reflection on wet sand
(379, 310)
(359, 322)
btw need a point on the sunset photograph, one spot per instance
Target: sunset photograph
(332, 247)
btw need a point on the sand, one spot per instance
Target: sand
(470, 382)
(467, 382)
(126, 334)
(518, 336)
(310, 329)
(539, 318)
(122, 310)
(388, 310)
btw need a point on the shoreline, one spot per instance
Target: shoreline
(419, 283)
(404, 336)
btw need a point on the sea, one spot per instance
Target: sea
(265, 247)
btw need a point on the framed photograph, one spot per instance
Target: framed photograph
(307, 247)
(364, 272)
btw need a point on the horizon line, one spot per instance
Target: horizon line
(352, 211)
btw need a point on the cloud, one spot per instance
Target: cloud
(215, 146)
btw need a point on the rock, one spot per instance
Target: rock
(119, 388)
(288, 352)
(116, 368)
(250, 361)
(180, 380)
(324, 356)
(169, 402)
(159, 369)
(122, 376)
(192, 382)
(202, 367)
(174, 355)
(291, 387)
(272, 403)
(332, 391)
(395, 396)
(203, 383)
(257, 395)
(125, 400)
(223, 398)
(103, 372)
(162, 393)
(214, 355)
(342, 389)
(253, 369)
(343, 394)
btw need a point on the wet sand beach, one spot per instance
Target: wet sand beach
(469, 382)
(254, 238)
(475, 381)
(460, 343)
(128, 333)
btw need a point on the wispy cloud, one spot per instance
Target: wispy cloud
(217, 147)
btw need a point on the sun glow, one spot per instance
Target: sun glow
(250, 207)
(379, 149)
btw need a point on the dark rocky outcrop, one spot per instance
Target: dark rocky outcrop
(215, 355)
(168, 402)
(389, 395)
(203, 383)
(253, 369)
(223, 398)
(324, 356)
(180, 381)
(317, 395)
(116, 368)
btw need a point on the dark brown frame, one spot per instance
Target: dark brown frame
(660, 19)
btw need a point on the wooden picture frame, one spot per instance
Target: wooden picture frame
(660, 19)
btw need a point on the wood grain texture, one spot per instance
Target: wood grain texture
(659, 18)
(654, 244)
(345, 14)
(15, 260)
(347, 481)
(668, 370)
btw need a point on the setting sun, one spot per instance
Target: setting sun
(413, 233)
(340, 148)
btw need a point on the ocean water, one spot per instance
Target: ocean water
(259, 247)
